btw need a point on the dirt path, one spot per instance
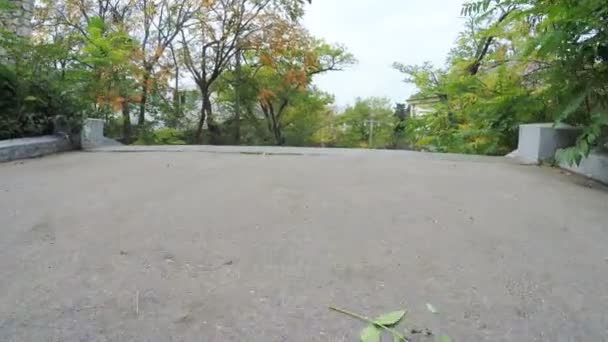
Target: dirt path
(229, 247)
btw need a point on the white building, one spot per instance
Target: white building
(419, 106)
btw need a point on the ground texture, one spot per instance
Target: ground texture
(226, 246)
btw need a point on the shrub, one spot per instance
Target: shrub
(163, 136)
(33, 91)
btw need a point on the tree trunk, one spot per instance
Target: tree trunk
(278, 136)
(199, 127)
(177, 98)
(206, 112)
(237, 100)
(144, 99)
(276, 130)
(212, 126)
(473, 69)
(126, 123)
(272, 122)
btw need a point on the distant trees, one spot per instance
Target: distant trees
(250, 62)
(369, 123)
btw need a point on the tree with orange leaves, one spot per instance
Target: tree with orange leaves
(107, 52)
(218, 32)
(157, 24)
(288, 58)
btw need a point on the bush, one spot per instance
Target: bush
(33, 91)
(27, 107)
(163, 136)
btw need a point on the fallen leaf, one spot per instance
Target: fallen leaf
(390, 318)
(370, 334)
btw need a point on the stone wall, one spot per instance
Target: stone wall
(18, 18)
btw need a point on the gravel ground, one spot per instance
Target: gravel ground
(193, 246)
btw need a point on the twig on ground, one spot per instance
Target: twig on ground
(365, 319)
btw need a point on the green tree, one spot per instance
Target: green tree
(273, 88)
(486, 91)
(36, 84)
(518, 61)
(307, 115)
(569, 42)
(368, 123)
(287, 65)
(219, 30)
(108, 51)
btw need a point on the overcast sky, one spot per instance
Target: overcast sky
(378, 33)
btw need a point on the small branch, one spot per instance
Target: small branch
(365, 319)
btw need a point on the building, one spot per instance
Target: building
(422, 105)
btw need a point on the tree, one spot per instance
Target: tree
(108, 52)
(367, 123)
(161, 22)
(287, 60)
(307, 116)
(34, 88)
(210, 44)
(566, 50)
(485, 92)
(251, 61)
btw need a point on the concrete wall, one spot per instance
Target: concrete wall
(13, 149)
(595, 166)
(92, 135)
(539, 142)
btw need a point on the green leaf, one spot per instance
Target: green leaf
(97, 23)
(445, 338)
(431, 308)
(370, 334)
(486, 4)
(390, 318)
(584, 146)
(570, 155)
(573, 105)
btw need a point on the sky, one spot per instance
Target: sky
(378, 33)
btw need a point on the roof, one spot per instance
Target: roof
(415, 99)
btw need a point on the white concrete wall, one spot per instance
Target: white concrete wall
(595, 166)
(539, 142)
(92, 136)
